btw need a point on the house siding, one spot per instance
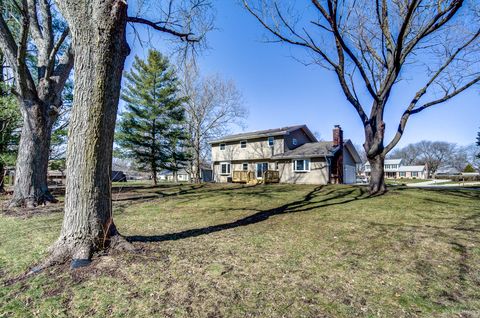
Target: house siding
(318, 174)
(298, 134)
(349, 167)
(255, 149)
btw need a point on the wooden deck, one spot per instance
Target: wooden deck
(269, 176)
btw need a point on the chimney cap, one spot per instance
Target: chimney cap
(337, 126)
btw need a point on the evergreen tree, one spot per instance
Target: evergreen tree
(469, 168)
(149, 129)
(9, 131)
(478, 143)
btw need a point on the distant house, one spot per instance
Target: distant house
(184, 176)
(290, 154)
(394, 169)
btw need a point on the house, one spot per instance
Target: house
(394, 169)
(184, 176)
(290, 154)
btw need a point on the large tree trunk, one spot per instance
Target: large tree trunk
(98, 29)
(197, 160)
(377, 175)
(2, 177)
(31, 187)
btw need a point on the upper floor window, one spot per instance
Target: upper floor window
(222, 146)
(294, 141)
(243, 144)
(271, 141)
(301, 165)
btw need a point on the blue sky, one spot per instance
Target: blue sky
(279, 91)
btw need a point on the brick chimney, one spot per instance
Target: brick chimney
(337, 136)
(337, 160)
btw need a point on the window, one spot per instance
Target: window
(414, 174)
(243, 144)
(402, 174)
(271, 141)
(245, 166)
(294, 141)
(222, 146)
(302, 165)
(225, 168)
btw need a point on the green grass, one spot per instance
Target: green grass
(405, 181)
(264, 251)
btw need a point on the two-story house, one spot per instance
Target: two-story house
(395, 169)
(292, 151)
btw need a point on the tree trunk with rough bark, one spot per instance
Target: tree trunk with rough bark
(30, 188)
(2, 177)
(98, 29)
(377, 177)
(198, 177)
(374, 137)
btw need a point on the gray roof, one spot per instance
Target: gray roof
(411, 168)
(264, 133)
(309, 150)
(389, 162)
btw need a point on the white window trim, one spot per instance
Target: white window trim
(241, 144)
(229, 168)
(244, 163)
(294, 141)
(220, 146)
(301, 171)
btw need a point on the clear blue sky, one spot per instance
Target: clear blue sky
(280, 91)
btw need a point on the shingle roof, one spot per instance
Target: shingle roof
(308, 150)
(389, 162)
(262, 133)
(411, 168)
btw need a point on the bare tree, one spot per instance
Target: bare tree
(99, 39)
(30, 28)
(213, 107)
(372, 45)
(436, 154)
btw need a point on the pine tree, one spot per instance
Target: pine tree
(478, 143)
(148, 130)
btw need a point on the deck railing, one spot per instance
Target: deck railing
(268, 176)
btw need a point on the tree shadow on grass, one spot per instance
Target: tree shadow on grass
(312, 200)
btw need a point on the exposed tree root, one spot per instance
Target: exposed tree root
(32, 202)
(80, 251)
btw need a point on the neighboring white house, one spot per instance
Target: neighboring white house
(394, 169)
(292, 153)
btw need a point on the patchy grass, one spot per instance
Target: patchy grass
(405, 181)
(264, 251)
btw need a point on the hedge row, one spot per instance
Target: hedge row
(459, 178)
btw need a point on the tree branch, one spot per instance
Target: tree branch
(188, 37)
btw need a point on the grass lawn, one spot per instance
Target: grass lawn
(405, 181)
(263, 251)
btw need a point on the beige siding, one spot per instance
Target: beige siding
(255, 149)
(299, 135)
(318, 173)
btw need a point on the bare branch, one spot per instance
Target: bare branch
(188, 37)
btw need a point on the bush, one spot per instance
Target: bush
(459, 178)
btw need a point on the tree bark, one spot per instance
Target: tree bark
(30, 188)
(2, 177)
(197, 159)
(98, 32)
(377, 184)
